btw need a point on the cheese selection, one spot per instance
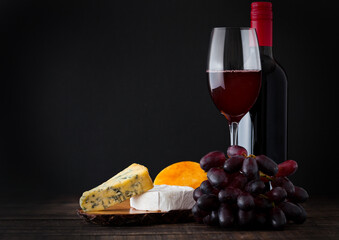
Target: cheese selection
(164, 198)
(132, 181)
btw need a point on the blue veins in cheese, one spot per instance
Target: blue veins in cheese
(130, 182)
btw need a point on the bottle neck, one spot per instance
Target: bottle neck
(266, 51)
(261, 20)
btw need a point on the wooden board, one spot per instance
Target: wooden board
(122, 214)
(55, 219)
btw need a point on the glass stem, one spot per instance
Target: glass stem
(234, 133)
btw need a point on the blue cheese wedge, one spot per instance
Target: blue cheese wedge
(164, 198)
(130, 182)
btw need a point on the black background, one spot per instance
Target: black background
(89, 87)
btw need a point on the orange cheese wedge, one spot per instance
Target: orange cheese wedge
(184, 173)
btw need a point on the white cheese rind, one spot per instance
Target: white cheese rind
(164, 198)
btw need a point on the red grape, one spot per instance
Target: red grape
(302, 217)
(233, 164)
(198, 212)
(217, 177)
(238, 180)
(236, 150)
(291, 210)
(245, 201)
(245, 217)
(250, 168)
(207, 188)
(211, 219)
(300, 195)
(287, 168)
(266, 165)
(226, 216)
(229, 195)
(277, 217)
(260, 218)
(214, 217)
(207, 220)
(212, 159)
(255, 186)
(197, 193)
(262, 203)
(277, 194)
(285, 183)
(208, 202)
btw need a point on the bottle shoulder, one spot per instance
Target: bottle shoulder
(272, 69)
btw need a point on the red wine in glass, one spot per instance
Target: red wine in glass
(234, 73)
(234, 91)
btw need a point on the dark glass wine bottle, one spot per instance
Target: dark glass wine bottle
(268, 132)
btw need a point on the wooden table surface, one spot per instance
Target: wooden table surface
(57, 219)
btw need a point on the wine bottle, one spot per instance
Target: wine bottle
(266, 133)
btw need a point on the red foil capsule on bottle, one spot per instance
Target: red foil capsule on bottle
(261, 19)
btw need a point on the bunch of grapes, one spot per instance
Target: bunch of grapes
(247, 191)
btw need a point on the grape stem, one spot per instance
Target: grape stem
(266, 176)
(263, 196)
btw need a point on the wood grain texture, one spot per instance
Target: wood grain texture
(57, 219)
(122, 215)
(135, 217)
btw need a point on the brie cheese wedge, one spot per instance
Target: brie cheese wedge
(164, 198)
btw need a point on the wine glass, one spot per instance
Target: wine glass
(234, 73)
